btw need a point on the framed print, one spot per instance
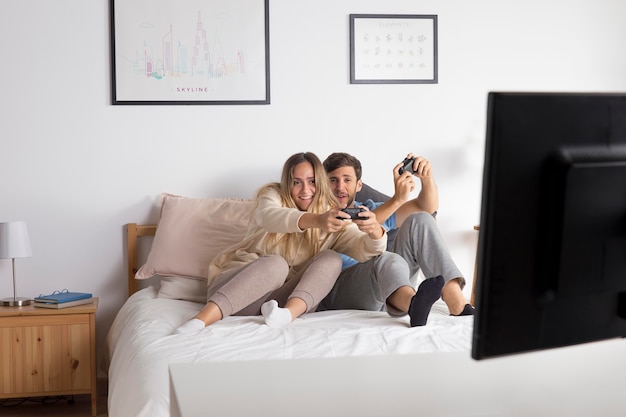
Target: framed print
(190, 51)
(393, 49)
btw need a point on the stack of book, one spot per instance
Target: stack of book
(62, 299)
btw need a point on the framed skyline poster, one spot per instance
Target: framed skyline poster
(190, 51)
(393, 49)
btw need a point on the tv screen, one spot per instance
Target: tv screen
(551, 266)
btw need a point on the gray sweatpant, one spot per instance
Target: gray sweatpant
(243, 291)
(417, 245)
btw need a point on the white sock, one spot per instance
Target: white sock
(192, 326)
(275, 316)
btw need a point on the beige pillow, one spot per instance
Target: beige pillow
(179, 288)
(191, 232)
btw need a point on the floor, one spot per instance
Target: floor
(60, 407)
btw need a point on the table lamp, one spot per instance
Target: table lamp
(14, 243)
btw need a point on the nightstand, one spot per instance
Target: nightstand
(46, 352)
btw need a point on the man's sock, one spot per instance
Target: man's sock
(428, 292)
(275, 316)
(468, 310)
(192, 326)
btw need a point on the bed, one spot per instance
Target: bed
(140, 346)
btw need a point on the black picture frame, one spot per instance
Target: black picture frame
(170, 52)
(393, 49)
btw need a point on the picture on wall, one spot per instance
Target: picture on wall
(393, 49)
(190, 52)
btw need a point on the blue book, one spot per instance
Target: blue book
(64, 296)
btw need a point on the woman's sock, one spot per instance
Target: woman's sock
(275, 316)
(428, 292)
(192, 326)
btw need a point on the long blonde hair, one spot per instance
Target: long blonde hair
(323, 200)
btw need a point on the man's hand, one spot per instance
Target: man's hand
(421, 167)
(404, 184)
(367, 223)
(400, 203)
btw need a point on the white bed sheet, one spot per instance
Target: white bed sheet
(140, 344)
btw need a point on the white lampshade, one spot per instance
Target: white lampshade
(14, 241)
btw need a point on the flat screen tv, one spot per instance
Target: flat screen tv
(551, 267)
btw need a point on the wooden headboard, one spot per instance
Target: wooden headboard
(133, 232)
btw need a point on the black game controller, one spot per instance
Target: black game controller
(353, 212)
(407, 165)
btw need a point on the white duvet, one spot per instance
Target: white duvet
(140, 345)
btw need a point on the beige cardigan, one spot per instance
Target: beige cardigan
(270, 216)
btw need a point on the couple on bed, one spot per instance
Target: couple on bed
(302, 254)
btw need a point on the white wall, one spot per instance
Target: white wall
(77, 168)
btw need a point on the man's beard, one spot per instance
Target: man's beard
(351, 200)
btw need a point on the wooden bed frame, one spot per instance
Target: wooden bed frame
(133, 232)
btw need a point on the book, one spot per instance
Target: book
(64, 296)
(63, 305)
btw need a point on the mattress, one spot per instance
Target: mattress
(141, 345)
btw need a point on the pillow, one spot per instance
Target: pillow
(191, 232)
(369, 193)
(179, 288)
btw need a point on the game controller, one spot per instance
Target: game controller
(407, 165)
(353, 212)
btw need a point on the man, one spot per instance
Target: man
(388, 281)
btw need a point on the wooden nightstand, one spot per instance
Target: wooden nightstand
(45, 352)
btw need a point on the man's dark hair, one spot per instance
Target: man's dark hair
(342, 159)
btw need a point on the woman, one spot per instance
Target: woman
(288, 261)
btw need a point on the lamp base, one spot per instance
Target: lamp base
(15, 302)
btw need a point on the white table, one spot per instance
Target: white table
(586, 380)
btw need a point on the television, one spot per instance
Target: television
(551, 261)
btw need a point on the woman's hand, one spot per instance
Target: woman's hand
(328, 221)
